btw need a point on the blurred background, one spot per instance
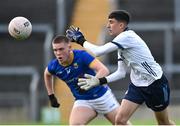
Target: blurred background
(23, 97)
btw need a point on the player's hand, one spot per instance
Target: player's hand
(74, 34)
(88, 82)
(53, 101)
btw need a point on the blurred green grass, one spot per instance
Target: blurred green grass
(134, 122)
(98, 121)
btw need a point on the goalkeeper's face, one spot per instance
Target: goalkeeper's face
(62, 52)
(115, 27)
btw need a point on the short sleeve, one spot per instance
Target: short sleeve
(87, 58)
(51, 67)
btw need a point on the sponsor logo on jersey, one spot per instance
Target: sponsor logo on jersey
(68, 70)
(60, 72)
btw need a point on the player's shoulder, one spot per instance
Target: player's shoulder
(53, 62)
(53, 65)
(79, 52)
(126, 34)
(126, 37)
(83, 55)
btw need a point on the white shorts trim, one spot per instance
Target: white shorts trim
(101, 105)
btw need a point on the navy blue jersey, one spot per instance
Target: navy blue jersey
(75, 70)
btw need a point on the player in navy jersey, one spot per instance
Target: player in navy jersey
(148, 83)
(69, 65)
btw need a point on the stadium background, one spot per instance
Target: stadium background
(23, 98)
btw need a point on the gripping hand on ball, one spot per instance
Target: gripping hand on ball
(74, 34)
(53, 101)
(88, 82)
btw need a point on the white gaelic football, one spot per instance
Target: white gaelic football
(20, 28)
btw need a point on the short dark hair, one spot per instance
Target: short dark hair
(120, 15)
(59, 39)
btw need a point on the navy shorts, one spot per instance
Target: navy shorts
(156, 96)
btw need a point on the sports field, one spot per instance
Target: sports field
(134, 122)
(144, 116)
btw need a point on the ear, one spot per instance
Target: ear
(70, 47)
(121, 25)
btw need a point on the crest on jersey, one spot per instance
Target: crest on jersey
(75, 65)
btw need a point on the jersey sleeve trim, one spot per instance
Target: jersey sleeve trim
(118, 45)
(120, 59)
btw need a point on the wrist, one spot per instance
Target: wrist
(81, 41)
(51, 96)
(102, 80)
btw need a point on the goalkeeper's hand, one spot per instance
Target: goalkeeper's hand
(53, 101)
(88, 82)
(74, 34)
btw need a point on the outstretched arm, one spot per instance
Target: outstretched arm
(118, 74)
(100, 68)
(100, 50)
(74, 34)
(101, 71)
(92, 81)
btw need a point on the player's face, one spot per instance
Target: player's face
(115, 27)
(62, 51)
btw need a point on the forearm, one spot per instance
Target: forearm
(102, 72)
(118, 74)
(111, 78)
(100, 69)
(115, 76)
(100, 50)
(49, 86)
(48, 80)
